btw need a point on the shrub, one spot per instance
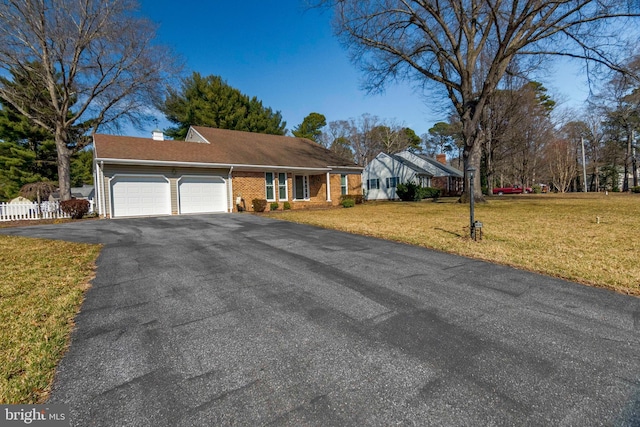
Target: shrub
(537, 189)
(636, 189)
(408, 192)
(274, 206)
(259, 205)
(357, 198)
(429, 193)
(348, 203)
(76, 208)
(286, 206)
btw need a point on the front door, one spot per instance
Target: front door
(301, 184)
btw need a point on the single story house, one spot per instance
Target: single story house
(86, 192)
(447, 178)
(382, 175)
(215, 170)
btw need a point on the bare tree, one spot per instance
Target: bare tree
(95, 61)
(465, 46)
(561, 158)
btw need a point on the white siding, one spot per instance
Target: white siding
(383, 167)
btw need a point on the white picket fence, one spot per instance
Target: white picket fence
(28, 211)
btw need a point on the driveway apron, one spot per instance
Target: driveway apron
(236, 319)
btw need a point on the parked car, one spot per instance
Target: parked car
(516, 189)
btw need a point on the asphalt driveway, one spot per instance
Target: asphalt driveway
(242, 320)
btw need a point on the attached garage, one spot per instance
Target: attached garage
(202, 194)
(140, 195)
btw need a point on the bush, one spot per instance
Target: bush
(537, 189)
(636, 189)
(76, 208)
(408, 192)
(259, 205)
(286, 206)
(357, 198)
(274, 206)
(348, 203)
(429, 193)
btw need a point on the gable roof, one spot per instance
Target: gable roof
(448, 169)
(220, 147)
(435, 167)
(410, 165)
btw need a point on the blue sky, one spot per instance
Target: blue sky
(288, 57)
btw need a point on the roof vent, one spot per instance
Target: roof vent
(157, 135)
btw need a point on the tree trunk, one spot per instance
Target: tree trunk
(472, 156)
(627, 163)
(64, 166)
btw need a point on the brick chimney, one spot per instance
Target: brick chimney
(442, 158)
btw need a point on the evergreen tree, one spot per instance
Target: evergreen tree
(16, 169)
(82, 168)
(210, 101)
(311, 127)
(18, 129)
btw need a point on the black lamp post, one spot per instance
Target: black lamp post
(472, 225)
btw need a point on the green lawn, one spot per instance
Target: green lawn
(589, 238)
(41, 288)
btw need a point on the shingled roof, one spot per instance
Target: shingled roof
(221, 147)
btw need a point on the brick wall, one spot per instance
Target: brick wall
(251, 185)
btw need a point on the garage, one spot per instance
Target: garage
(140, 195)
(202, 194)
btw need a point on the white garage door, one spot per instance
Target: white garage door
(200, 194)
(135, 195)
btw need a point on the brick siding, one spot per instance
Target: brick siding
(251, 185)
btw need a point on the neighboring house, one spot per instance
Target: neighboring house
(382, 175)
(448, 179)
(86, 192)
(216, 170)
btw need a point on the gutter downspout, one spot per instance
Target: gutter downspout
(96, 186)
(329, 187)
(230, 190)
(102, 200)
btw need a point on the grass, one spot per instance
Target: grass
(41, 288)
(588, 238)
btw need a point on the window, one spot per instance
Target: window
(373, 184)
(344, 189)
(393, 182)
(282, 186)
(268, 178)
(301, 187)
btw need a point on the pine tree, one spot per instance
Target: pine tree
(210, 101)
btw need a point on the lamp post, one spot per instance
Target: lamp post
(472, 228)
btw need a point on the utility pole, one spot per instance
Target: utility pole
(584, 168)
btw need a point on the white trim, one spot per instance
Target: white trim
(346, 183)
(305, 188)
(191, 129)
(286, 187)
(96, 184)
(178, 194)
(147, 175)
(102, 201)
(273, 186)
(230, 190)
(328, 186)
(209, 165)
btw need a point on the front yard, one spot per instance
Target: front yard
(41, 288)
(589, 238)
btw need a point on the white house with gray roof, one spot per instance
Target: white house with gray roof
(382, 175)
